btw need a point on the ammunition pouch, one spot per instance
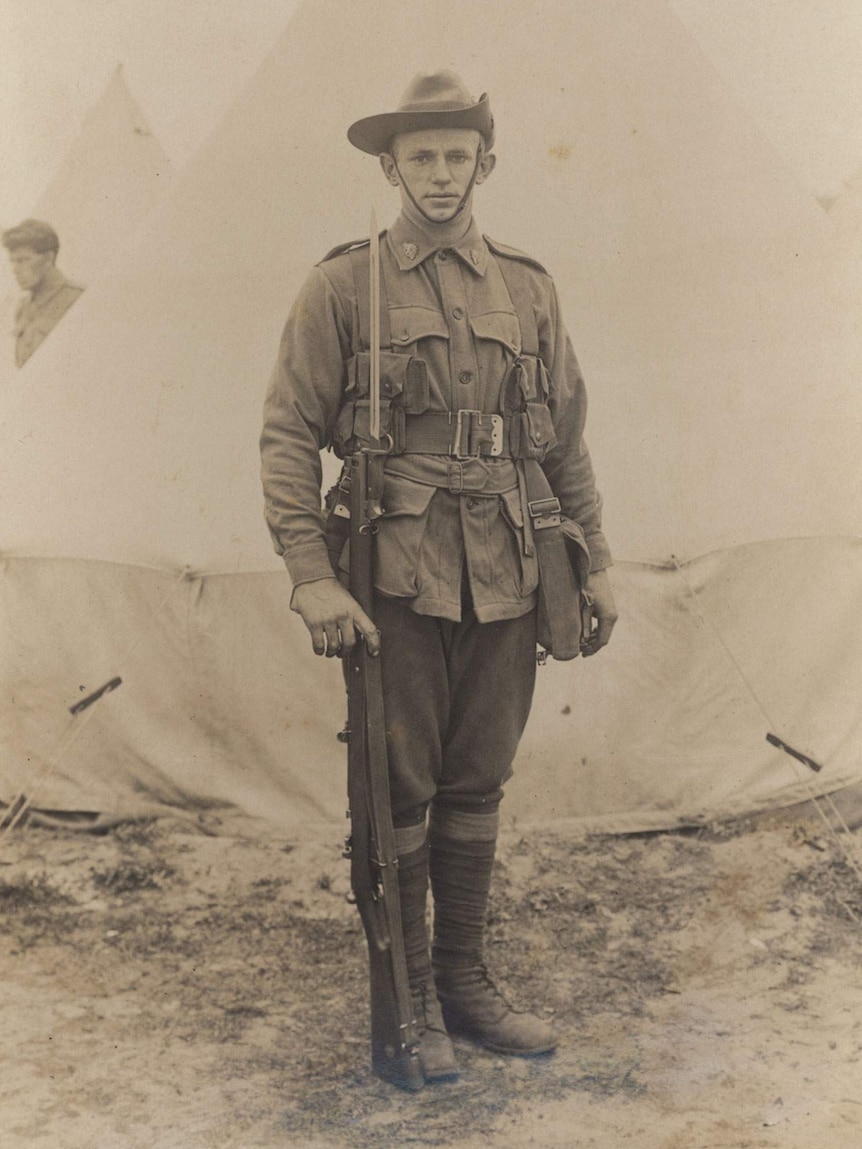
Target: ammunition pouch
(403, 390)
(523, 430)
(526, 394)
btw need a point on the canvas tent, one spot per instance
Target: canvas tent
(113, 174)
(726, 424)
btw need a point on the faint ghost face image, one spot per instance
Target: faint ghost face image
(30, 267)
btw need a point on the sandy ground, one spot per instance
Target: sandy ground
(166, 988)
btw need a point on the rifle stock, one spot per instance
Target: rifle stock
(373, 856)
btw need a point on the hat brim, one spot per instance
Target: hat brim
(373, 134)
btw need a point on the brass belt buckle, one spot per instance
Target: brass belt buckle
(477, 419)
(496, 434)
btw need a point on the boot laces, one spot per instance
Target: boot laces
(488, 981)
(424, 998)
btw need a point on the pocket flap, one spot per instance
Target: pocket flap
(540, 427)
(395, 372)
(404, 497)
(501, 326)
(410, 324)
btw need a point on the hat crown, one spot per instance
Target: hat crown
(432, 100)
(436, 92)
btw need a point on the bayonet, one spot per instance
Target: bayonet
(374, 330)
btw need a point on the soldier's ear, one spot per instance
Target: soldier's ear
(389, 169)
(487, 163)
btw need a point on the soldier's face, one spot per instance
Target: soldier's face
(437, 167)
(30, 267)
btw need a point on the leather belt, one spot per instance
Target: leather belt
(463, 434)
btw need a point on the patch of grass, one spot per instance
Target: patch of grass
(130, 876)
(34, 892)
(831, 889)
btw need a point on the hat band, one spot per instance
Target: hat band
(437, 106)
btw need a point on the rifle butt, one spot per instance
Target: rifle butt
(390, 1060)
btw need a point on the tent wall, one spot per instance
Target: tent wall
(113, 175)
(222, 701)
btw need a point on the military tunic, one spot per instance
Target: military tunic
(36, 318)
(443, 518)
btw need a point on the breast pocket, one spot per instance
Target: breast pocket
(500, 327)
(411, 324)
(497, 339)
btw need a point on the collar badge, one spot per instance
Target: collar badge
(410, 250)
(474, 255)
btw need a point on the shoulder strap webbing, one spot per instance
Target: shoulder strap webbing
(343, 248)
(359, 264)
(517, 283)
(513, 253)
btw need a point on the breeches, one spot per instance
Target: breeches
(457, 698)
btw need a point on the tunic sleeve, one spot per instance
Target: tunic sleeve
(301, 405)
(568, 465)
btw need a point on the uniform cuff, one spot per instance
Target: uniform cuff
(600, 552)
(308, 564)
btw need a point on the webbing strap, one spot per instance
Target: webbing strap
(515, 277)
(359, 264)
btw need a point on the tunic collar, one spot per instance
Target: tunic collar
(410, 246)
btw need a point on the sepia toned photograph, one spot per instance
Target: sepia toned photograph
(430, 574)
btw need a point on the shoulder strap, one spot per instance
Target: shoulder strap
(343, 248)
(359, 265)
(513, 268)
(513, 253)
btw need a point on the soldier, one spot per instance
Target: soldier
(479, 384)
(33, 247)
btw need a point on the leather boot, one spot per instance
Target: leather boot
(463, 844)
(473, 1006)
(436, 1055)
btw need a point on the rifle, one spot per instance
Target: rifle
(371, 845)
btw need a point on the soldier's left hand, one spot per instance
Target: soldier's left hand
(601, 616)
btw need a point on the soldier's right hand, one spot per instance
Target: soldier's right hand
(333, 617)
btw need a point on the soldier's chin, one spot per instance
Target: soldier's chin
(442, 210)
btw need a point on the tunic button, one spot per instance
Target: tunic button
(466, 376)
(457, 313)
(471, 503)
(441, 256)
